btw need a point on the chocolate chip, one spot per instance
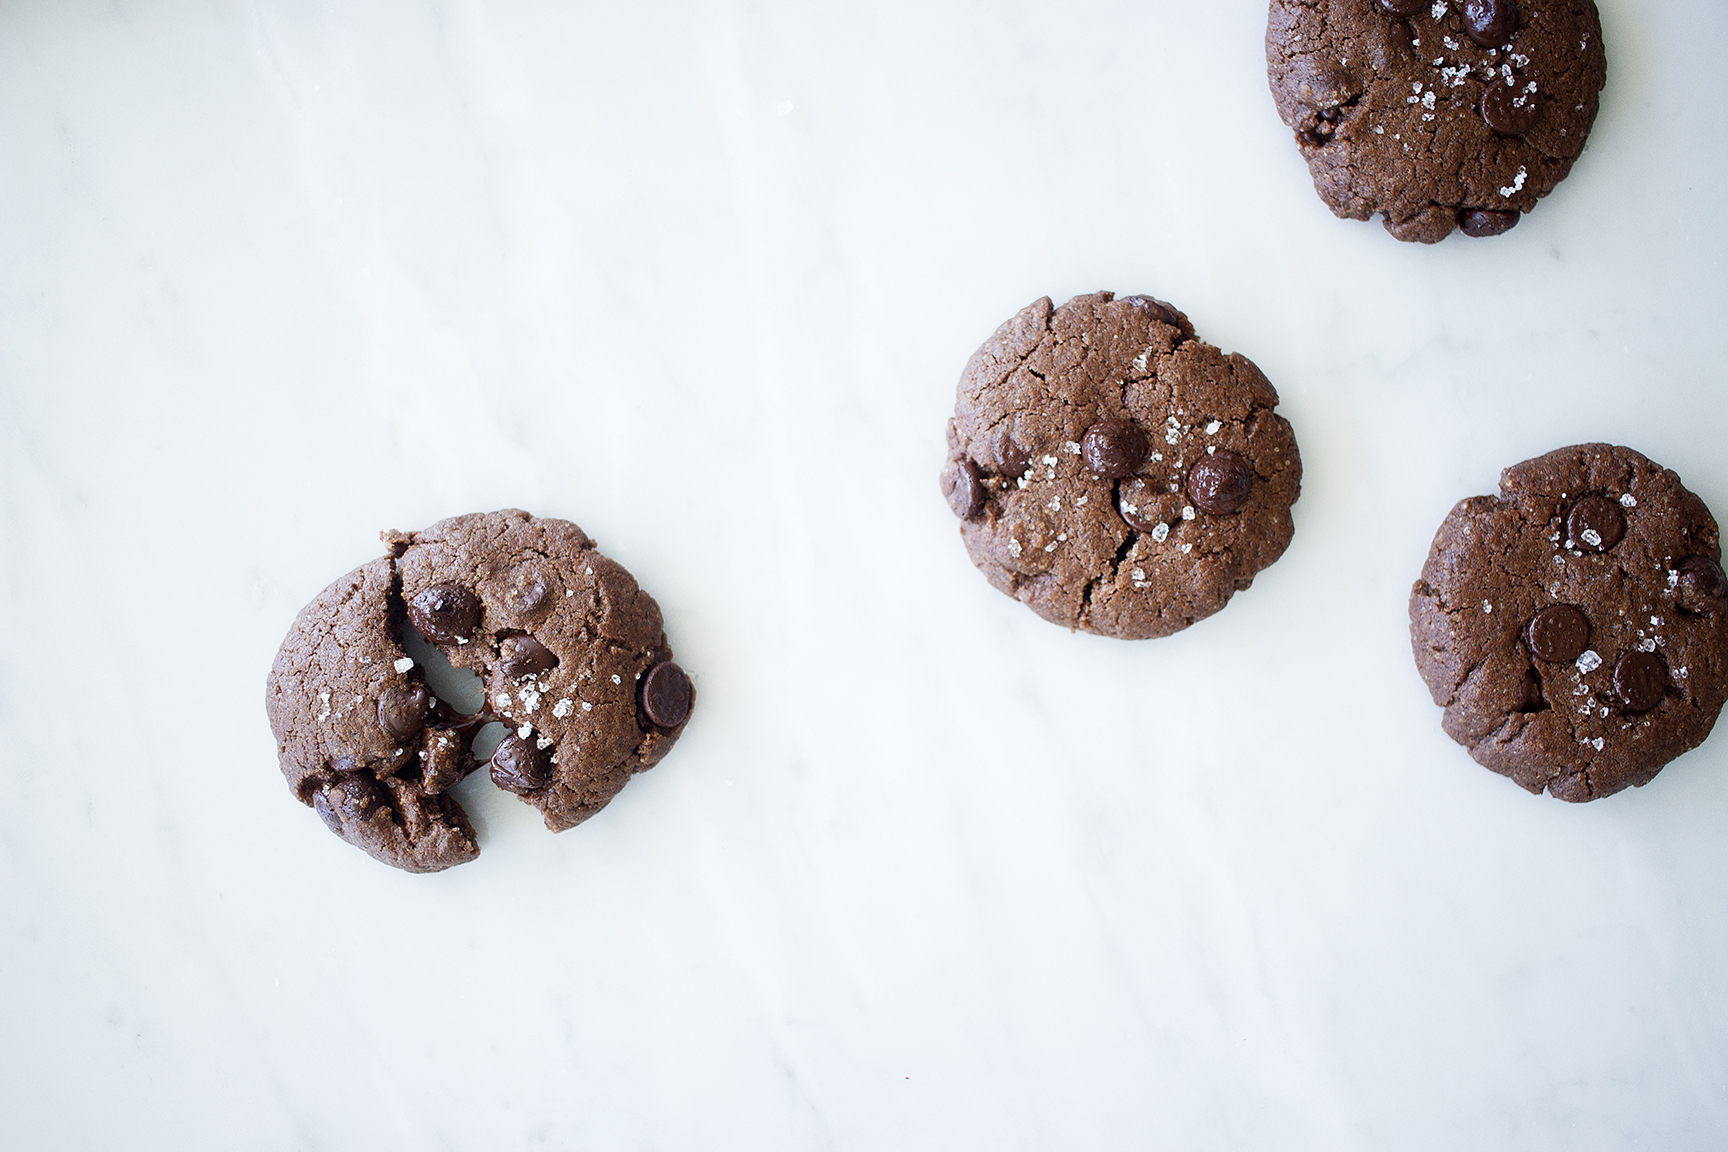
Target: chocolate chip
(1640, 679)
(1007, 457)
(1701, 581)
(1219, 482)
(529, 593)
(521, 765)
(520, 656)
(1145, 509)
(1480, 222)
(963, 488)
(1402, 7)
(445, 613)
(352, 798)
(344, 764)
(402, 711)
(1508, 108)
(1490, 23)
(1596, 524)
(1113, 448)
(1157, 309)
(667, 694)
(1559, 633)
(321, 805)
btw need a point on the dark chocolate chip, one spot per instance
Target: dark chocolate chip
(402, 711)
(1402, 7)
(1490, 23)
(521, 765)
(520, 656)
(1559, 633)
(1113, 448)
(352, 798)
(667, 694)
(1640, 679)
(344, 764)
(963, 488)
(1701, 581)
(445, 613)
(1480, 222)
(1509, 107)
(1007, 457)
(1596, 524)
(1157, 309)
(1219, 482)
(529, 594)
(1145, 509)
(321, 805)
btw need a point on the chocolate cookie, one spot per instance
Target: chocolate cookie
(1440, 114)
(571, 653)
(1113, 472)
(1575, 628)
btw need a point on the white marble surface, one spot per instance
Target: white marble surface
(925, 872)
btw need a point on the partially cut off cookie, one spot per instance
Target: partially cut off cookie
(1441, 115)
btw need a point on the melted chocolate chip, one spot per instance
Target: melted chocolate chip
(963, 489)
(1401, 7)
(667, 694)
(445, 613)
(1508, 108)
(521, 765)
(1640, 679)
(1490, 23)
(1559, 633)
(1113, 448)
(444, 759)
(520, 656)
(1480, 222)
(1595, 524)
(1219, 482)
(402, 711)
(1701, 581)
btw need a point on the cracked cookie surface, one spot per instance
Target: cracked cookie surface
(1575, 628)
(571, 653)
(1441, 115)
(1113, 472)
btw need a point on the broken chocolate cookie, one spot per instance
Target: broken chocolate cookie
(571, 652)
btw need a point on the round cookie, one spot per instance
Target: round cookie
(1113, 472)
(571, 652)
(1575, 629)
(1439, 114)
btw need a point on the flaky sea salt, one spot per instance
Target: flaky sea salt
(405, 663)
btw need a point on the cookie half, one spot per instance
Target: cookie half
(1575, 628)
(571, 652)
(1113, 472)
(1439, 114)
